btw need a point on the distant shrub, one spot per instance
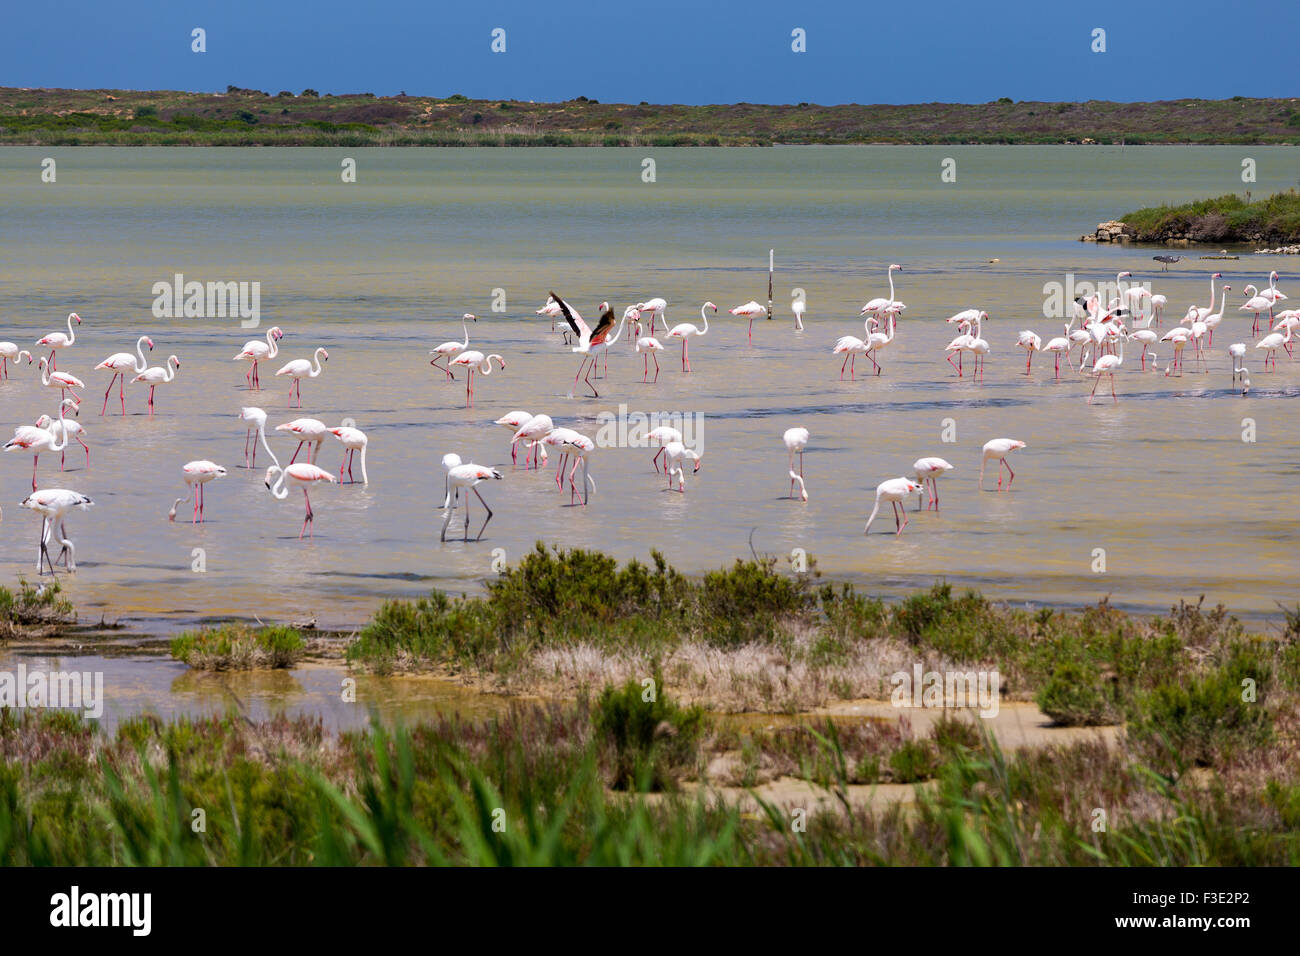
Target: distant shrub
(651, 740)
(141, 112)
(238, 647)
(309, 92)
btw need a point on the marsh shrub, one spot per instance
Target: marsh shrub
(33, 608)
(238, 647)
(750, 601)
(650, 740)
(1076, 696)
(914, 761)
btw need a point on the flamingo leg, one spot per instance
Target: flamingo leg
(306, 521)
(295, 452)
(573, 491)
(655, 460)
(151, 388)
(111, 382)
(485, 520)
(34, 460)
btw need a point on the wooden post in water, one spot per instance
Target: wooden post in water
(771, 261)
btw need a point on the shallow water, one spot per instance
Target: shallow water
(379, 271)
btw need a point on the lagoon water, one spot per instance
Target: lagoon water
(379, 271)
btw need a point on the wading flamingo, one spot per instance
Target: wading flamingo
(475, 362)
(1179, 337)
(1202, 312)
(354, 440)
(665, 435)
(630, 314)
(552, 309)
(959, 344)
(999, 448)
(797, 308)
(258, 418)
(120, 363)
(880, 305)
(895, 491)
(1239, 371)
(514, 421)
(9, 352)
(1060, 345)
(1212, 321)
(30, 438)
(796, 440)
(64, 382)
(587, 336)
(1271, 343)
(1147, 338)
(879, 340)
(531, 434)
(1031, 343)
(53, 505)
(750, 310)
(255, 351)
(447, 349)
(156, 376)
(928, 471)
(653, 307)
(196, 475)
(299, 369)
(1256, 304)
(649, 345)
(302, 475)
(59, 340)
(464, 478)
(685, 330)
(578, 446)
(308, 431)
(65, 430)
(674, 454)
(1272, 293)
(1106, 365)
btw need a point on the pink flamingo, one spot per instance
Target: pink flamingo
(999, 448)
(36, 440)
(156, 376)
(685, 330)
(302, 475)
(67, 429)
(354, 440)
(120, 363)
(895, 490)
(475, 361)
(61, 380)
(196, 475)
(299, 369)
(750, 310)
(308, 431)
(9, 352)
(928, 471)
(448, 349)
(59, 340)
(257, 350)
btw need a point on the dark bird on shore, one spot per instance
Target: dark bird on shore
(1167, 260)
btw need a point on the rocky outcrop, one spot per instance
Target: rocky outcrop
(1113, 231)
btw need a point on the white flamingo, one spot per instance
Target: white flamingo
(255, 352)
(796, 440)
(301, 475)
(299, 369)
(120, 363)
(196, 475)
(895, 491)
(353, 440)
(685, 330)
(9, 352)
(156, 376)
(447, 349)
(58, 340)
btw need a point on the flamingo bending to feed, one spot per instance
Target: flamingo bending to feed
(1271, 343)
(928, 471)
(120, 363)
(53, 505)
(531, 432)
(9, 352)
(156, 376)
(65, 429)
(579, 446)
(653, 307)
(1061, 345)
(1106, 365)
(674, 454)
(309, 431)
(36, 440)
(514, 421)
(463, 478)
(879, 340)
(649, 345)
(798, 307)
(61, 380)
(750, 310)
(258, 418)
(685, 330)
(796, 440)
(664, 435)
(197, 474)
(587, 336)
(1148, 338)
(59, 340)
(1031, 343)
(302, 475)
(895, 490)
(999, 448)
(299, 369)
(1239, 371)
(254, 352)
(447, 349)
(475, 362)
(354, 440)
(880, 305)
(1256, 304)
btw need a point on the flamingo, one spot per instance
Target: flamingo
(475, 362)
(1148, 338)
(928, 471)
(1178, 337)
(448, 349)
(302, 475)
(299, 369)
(649, 345)
(587, 337)
(685, 330)
(653, 307)
(750, 310)
(879, 305)
(308, 431)
(1201, 313)
(796, 440)
(53, 505)
(258, 418)
(59, 340)
(1158, 303)
(1239, 371)
(552, 309)
(156, 376)
(798, 307)
(196, 475)
(579, 446)
(1272, 293)
(36, 440)
(67, 429)
(61, 380)
(674, 454)
(531, 433)
(1287, 320)
(354, 440)
(979, 347)
(999, 448)
(120, 363)
(1257, 304)
(894, 490)
(514, 421)
(9, 352)
(879, 340)
(254, 352)
(665, 435)
(630, 314)
(1061, 344)
(1031, 343)
(1106, 365)
(1271, 343)
(465, 477)
(959, 344)
(1212, 321)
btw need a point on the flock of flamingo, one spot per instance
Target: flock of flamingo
(1134, 315)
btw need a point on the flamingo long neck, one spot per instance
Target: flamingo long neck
(1223, 302)
(72, 333)
(617, 332)
(464, 324)
(278, 490)
(261, 434)
(273, 344)
(891, 285)
(704, 314)
(1210, 307)
(486, 366)
(168, 370)
(63, 430)
(365, 479)
(316, 358)
(140, 364)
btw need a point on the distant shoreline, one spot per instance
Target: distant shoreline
(241, 117)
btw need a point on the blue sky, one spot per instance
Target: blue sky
(661, 50)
